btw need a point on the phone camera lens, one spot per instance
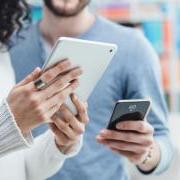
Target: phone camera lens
(111, 51)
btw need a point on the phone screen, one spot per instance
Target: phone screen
(128, 111)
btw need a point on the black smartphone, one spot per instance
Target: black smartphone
(129, 110)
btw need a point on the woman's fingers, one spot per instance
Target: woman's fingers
(59, 98)
(60, 83)
(61, 138)
(81, 109)
(52, 111)
(70, 118)
(34, 107)
(68, 127)
(65, 128)
(53, 72)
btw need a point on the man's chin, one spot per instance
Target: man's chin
(66, 11)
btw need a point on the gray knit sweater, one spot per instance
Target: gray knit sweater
(11, 138)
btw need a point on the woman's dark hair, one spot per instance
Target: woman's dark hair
(13, 14)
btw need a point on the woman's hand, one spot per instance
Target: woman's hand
(31, 107)
(67, 127)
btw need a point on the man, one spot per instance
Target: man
(133, 73)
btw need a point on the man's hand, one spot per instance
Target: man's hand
(134, 140)
(67, 127)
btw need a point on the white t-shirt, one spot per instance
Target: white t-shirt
(7, 77)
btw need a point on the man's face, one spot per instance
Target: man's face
(66, 8)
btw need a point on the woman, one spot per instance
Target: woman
(29, 104)
(11, 15)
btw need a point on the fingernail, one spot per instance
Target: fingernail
(103, 131)
(38, 69)
(98, 138)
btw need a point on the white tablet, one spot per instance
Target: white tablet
(93, 57)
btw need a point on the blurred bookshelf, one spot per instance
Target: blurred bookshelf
(160, 22)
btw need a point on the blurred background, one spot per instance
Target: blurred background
(160, 22)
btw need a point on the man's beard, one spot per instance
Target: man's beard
(62, 12)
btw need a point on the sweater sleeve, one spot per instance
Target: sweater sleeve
(44, 159)
(11, 138)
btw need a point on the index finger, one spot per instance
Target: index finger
(139, 126)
